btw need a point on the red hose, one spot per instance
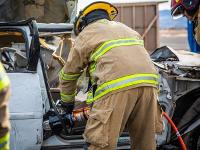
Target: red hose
(176, 130)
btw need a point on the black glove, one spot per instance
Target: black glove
(67, 107)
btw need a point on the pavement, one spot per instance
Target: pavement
(175, 38)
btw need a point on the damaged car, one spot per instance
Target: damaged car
(179, 95)
(32, 63)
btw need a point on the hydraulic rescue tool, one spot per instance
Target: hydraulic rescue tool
(79, 118)
(54, 123)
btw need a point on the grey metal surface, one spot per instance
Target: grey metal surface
(56, 140)
(165, 99)
(176, 79)
(45, 99)
(55, 143)
(26, 111)
(55, 27)
(26, 134)
(26, 93)
(178, 87)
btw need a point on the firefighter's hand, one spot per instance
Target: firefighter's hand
(67, 107)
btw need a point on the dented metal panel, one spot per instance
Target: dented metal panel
(183, 64)
(26, 111)
(179, 73)
(183, 58)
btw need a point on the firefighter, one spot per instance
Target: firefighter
(123, 78)
(189, 9)
(4, 120)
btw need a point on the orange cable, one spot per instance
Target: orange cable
(176, 130)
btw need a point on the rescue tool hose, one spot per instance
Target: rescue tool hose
(175, 130)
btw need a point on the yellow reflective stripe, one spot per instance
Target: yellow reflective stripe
(67, 97)
(123, 86)
(68, 77)
(92, 67)
(4, 80)
(92, 70)
(114, 43)
(122, 83)
(4, 142)
(127, 77)
(89, 97)
(105, 47)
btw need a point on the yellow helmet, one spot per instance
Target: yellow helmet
(81, 21)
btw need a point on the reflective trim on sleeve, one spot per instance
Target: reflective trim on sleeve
(68, 77)
(105, 47)
(92, 67)
(4, 80)
(67, 97)
(90, 97)
(4, 142)
(123, 82)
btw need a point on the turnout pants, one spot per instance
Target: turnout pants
(136, 109)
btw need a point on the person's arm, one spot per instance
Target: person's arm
(76, 62)
(69, 76)
(4, 121)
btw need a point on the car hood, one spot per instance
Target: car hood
(181, 63)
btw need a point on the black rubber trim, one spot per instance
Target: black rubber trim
(19, 23)
(17, 30)
(34, 52)
(51, 102)
(77, 142)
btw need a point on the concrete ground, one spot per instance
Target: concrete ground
(175, 38)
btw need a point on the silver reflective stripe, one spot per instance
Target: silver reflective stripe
(114, 43)
(105, 47)
(68, 77)
(123, 83)
(67, 97)
(92, 67)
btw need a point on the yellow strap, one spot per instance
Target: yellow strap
(68, 77)
(67, 97)
(4, 142)
(4, 80)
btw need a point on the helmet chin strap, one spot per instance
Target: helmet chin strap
(92, 17)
